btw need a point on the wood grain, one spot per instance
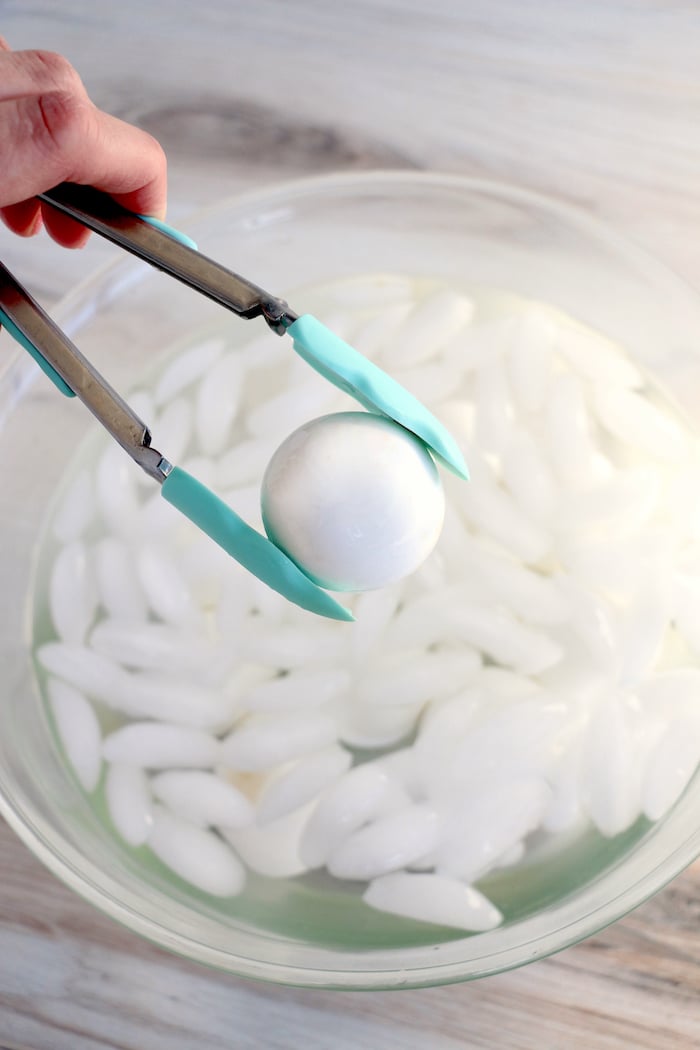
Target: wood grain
(71, 979)
(596, 103)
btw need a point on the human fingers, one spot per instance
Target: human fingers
(126, 163)
(51, 132)
(23, 218)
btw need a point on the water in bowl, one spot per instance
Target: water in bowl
(551, 568)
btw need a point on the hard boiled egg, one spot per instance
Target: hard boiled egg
(354, 499)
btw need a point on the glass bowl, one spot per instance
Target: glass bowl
(125, 318)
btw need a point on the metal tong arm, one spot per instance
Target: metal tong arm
(142, 238)
(80, 376)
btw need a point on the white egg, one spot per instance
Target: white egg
(354, 499)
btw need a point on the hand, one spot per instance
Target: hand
(51, 132)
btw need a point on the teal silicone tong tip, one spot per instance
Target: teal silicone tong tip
(253, 550)
(348, 369)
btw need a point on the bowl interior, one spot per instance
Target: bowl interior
(128, 320)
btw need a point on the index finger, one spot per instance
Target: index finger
(54, 133)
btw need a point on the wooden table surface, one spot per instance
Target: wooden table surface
(597, 103)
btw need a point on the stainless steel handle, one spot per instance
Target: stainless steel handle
(137, 235)
(80, 376)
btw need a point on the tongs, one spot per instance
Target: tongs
(175, 254)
